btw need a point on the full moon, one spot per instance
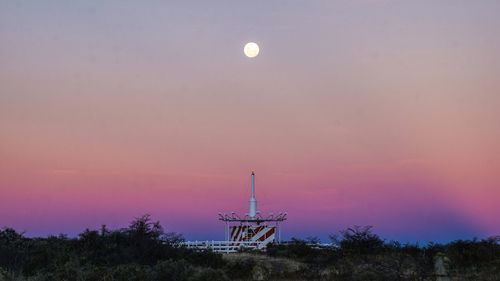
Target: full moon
(251, 50)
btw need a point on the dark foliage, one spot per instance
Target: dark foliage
(144, 251)
(359, 254)
(240, 268)
(359, 241)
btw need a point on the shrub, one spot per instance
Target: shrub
(172, 270)
(209, 274)
(240, 268)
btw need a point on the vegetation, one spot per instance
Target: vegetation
(144, 251)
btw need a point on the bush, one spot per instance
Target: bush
(240, 268)
(209, 274)
(173, 270)
(130, 272)
(359, 241)
(205, 259)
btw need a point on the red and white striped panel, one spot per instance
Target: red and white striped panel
(261, 234)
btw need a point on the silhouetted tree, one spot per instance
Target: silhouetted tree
(358, 240)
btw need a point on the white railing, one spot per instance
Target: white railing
(223, 246)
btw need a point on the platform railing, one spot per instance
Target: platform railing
(223, 246)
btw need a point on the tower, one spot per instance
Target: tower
(252, 230)
(252, 210)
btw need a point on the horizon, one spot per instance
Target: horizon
(364, 112)
(325, 239)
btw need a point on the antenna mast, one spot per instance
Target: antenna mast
(253, 202)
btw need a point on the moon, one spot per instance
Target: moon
(251, 49)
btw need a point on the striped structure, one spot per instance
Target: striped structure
(252, 231)
(261, 234)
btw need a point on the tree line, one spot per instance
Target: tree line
(144, 251)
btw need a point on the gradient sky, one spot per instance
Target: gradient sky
(356, 112)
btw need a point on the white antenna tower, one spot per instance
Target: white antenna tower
(253, 202)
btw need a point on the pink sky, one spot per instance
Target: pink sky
(379, 113)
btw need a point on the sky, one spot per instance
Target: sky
(355, 112)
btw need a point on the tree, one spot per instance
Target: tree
(358, 240)
(144, 228)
